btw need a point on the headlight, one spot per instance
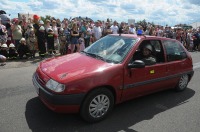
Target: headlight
(55, 86)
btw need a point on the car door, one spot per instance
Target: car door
(176, 60)
(141, 81)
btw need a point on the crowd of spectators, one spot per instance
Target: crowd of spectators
(22, 39)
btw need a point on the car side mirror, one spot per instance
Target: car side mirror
(136, 64)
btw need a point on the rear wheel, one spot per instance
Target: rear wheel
(183, 82)
(97, 105)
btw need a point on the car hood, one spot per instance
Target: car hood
(73, 66)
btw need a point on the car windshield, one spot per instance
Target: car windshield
(112, 49)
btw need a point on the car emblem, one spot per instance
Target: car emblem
(63, 75)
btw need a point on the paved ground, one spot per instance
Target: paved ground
(22, 63)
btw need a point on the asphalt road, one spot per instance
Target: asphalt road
(167, 111)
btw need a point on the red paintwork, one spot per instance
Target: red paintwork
(82, 73)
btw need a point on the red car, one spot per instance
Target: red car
(112, 70)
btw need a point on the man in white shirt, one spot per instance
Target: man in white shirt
(97, 32)
(114, 28)
(132, 29)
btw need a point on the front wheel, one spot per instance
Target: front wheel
(97, 105)
(183, 82)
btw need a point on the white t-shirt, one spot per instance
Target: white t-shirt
(97, 32)
(160, 33)
(132, 30)
(114, 29)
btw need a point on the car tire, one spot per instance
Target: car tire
(97, 105)
(183, 82)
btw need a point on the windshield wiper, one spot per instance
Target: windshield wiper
(94, 55)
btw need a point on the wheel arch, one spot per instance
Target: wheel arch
(110, 88)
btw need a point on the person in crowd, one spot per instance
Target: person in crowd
(140, 30)
(17, 33)
(50, 42)
(160, 32)
(48, 25)
(196, 40)
(41, 23)
(122, 28)
(132, 29)
(178, 34)
(32, 42)
(84, 28)
(62, 40)
(41, 40)
(23, 49)
(12, 52)
(190, 40)
(114, 28)
(3, 33)
(67, 32)
(9, 34)
(88, 36)
(4, 50)
(147, 31)
(58, 24)
(55, 30)
(2, 60)
(148, 57)
(82, 42)
(106, 29)
(126, 29)
(27, 32)
(74, 38)
(36, 25)
(96, 31)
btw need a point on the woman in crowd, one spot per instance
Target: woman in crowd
(74, 38)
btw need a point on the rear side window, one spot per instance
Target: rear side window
(174, 50)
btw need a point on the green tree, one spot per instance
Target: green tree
(47, 17)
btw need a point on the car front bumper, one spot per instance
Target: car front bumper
(59, 103)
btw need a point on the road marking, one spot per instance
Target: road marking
(196, 65)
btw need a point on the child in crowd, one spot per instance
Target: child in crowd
(4, 50)
(12, 53)
(31, 42)
(82, 42)
(62, 40)
(23, 49)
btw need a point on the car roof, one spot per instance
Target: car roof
(142, 36)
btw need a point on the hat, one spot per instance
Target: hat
(22, 39)
(41, 22)
(36, 17)
(4, 46)
(11, 45)
(41, 28)
(149, 47)
(15, 20)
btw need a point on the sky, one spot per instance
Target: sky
(162, 12)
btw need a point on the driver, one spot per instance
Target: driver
(148, 58)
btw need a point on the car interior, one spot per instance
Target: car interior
(157, 51)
